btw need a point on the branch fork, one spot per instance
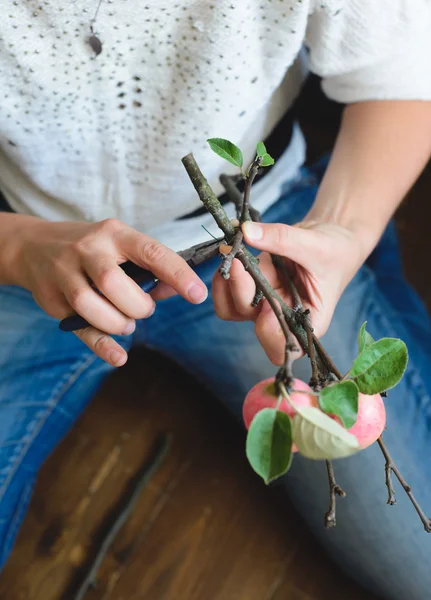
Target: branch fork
(295, 322)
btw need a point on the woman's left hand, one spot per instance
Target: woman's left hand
(322, 259)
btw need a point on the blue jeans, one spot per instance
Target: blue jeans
(47, 377)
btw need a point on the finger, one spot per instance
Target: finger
(243, 290)
(103, 346)
(270, 334)
(162, 291)
(52, 301)
(223, 302)
(95, 309)
(296, 243)
(166, 264)
(118, 288)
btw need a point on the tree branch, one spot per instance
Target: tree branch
(334, 490)
(391, 466)
(228, 259)
(263, 286)
(208, 197)
(295, 325)
(251, 174)
(229, 182)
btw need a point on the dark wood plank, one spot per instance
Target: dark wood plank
(205, 527)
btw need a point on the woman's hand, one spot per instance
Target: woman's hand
(322, 258)
(57, 262)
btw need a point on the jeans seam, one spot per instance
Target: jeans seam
(16, 519)
(76, 371)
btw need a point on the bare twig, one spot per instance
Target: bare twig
(391, 466)
(147, 471)
(251, 174)
(266, 290)
(334, 490)
(230, 182)
(326, 358)
(228, 259)
(230, 185)
(316, 374)
(257, 298)
(208, 197)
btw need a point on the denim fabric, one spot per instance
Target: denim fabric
(47, 378)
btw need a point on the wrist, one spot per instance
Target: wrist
(16, 231)
(362, 217)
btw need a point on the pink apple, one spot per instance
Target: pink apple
(371, 419)
(371, 409)
(262, 395)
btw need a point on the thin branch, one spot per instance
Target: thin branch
(234, 195)
(228, 259)
(151, 465)
(230, 184)
(251, 174)
(326, 358)
(208, 197)
(267, 292)
(391, 466)
(257, 298)
(315, 372)
(334, 490)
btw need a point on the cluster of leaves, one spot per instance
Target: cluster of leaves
(233, 154)
(378, 367)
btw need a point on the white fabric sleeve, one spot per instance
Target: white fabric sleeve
(371, 49)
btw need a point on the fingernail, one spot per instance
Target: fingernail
(252, 230)
(130, 328)
(116, 358)
(197, 293)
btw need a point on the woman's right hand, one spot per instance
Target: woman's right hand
(57, 262)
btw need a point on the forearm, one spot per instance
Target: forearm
(12, 232)
(380, 151)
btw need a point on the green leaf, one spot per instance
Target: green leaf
(226, 150)
(269, 444)
(364, 338)
(380, 366)
(261, 150)
(319, 437)
(267, 161)
(341, 399)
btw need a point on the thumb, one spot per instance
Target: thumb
(297, 244)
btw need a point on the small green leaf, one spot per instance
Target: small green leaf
(261, 150)
(319, 437)
(226, 150)
(267, 161)
(364, 338)
(269, 444)
(341, 399)
(380, 366)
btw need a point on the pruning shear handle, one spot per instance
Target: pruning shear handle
(193, 256)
